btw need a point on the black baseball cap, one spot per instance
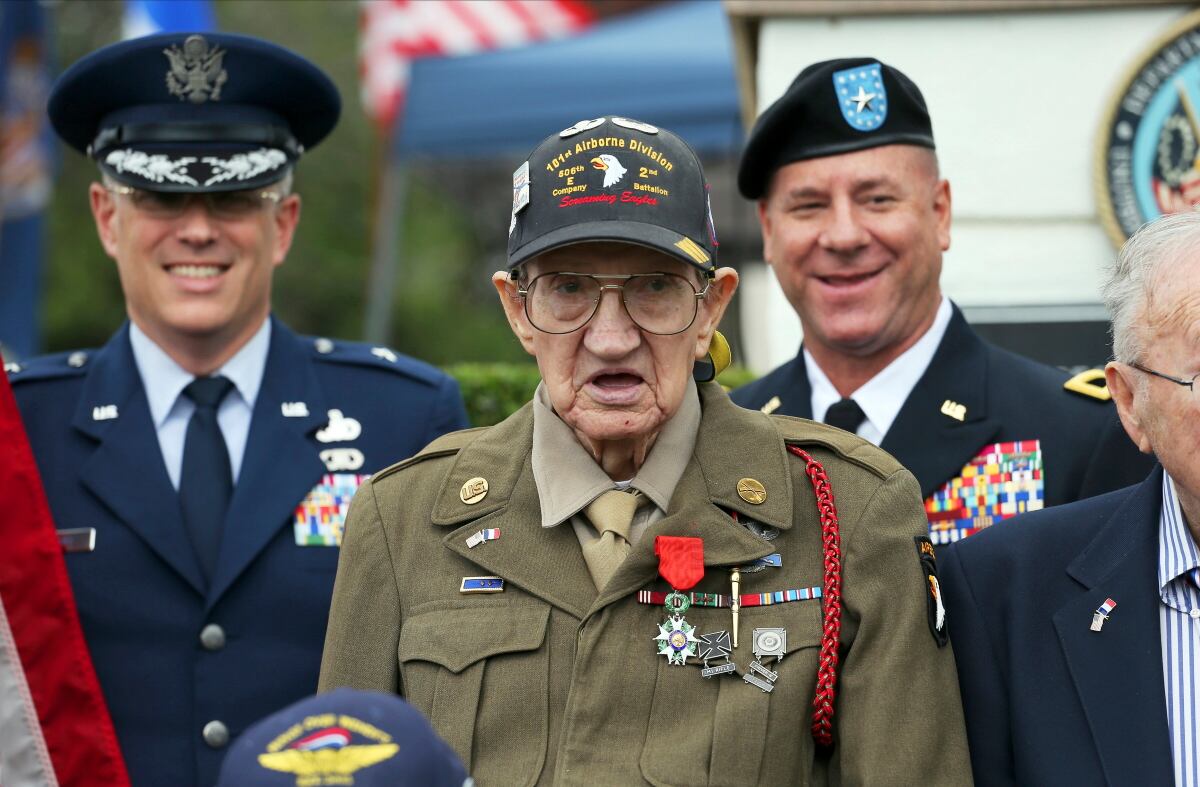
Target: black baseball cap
(834, 107)
(613, 179)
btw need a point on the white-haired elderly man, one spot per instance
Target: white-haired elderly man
(1076, 629)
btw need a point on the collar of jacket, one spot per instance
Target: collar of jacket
(732, 444)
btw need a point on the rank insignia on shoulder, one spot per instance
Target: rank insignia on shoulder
(481, 585)
(933, 591)
(1089, 383)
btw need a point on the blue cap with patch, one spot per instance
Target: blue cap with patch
(191, 112)
(834, 107)
(356, 738)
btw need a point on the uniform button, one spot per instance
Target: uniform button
(212, 637)
(216, 734)
(1195, 613)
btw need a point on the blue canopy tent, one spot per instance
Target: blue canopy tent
(671, 65)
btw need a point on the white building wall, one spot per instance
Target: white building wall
(1017, 101)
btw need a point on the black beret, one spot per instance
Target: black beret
(194, 112)
(833, 107)
(613, 179)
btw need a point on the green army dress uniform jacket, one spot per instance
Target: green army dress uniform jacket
(550, 682)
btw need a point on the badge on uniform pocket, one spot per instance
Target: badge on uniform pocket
(1003, 480)
(321, 515)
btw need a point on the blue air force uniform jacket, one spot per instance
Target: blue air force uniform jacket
(1048, 700)
(1005, 398)
(186, 665)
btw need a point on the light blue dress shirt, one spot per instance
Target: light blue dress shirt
(164, 380)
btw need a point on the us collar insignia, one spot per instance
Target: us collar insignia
(196, 73)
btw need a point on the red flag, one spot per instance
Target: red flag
(393, 33)
(680, 560)
(46, 635)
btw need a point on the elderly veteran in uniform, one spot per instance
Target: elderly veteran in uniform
(631, 580)
(1077, 629)
(201, 461)
(855, 218)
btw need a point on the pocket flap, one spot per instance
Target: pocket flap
(457, 638)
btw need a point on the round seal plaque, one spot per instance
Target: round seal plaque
(1148, 157)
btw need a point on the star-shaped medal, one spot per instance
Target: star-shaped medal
(676, 640)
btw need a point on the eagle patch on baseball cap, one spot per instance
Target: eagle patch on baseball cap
(612, 179)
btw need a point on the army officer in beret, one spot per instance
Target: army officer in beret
(631, 580)
(205, 455)
(855, 218)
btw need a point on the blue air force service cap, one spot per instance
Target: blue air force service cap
(349, 737)
(194, 112)
(613, 179)
(834, 107)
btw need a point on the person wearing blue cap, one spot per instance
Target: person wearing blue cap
(344, 737)
(200, 463)
(855, 218)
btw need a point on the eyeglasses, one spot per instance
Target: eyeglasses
(1189, 384)
(172, 204)
(660, 303)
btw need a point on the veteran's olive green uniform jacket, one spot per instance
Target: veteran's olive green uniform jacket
(549, 682)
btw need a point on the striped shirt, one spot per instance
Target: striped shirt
(1179, 629)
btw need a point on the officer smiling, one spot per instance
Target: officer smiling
(204, 457)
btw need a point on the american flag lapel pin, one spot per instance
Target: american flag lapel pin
(1101, 614)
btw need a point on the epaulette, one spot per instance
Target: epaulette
(447, 445)
(1089, 383)
(48, 367)
(851, 447)
(376, 357)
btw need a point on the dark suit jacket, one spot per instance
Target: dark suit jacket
(141, 596)
(1007, 398)
(1048, 700)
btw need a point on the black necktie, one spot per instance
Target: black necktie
(206, 483)
(845, 414)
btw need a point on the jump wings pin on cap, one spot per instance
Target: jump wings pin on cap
(1101, 613)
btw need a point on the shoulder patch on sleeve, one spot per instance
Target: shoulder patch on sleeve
(932, 590)
(1089, 383)
(446, 445)
(376, 357)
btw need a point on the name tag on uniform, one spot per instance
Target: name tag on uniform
(320, 518)
(481, 585)
(77, 539)
(1003, 480)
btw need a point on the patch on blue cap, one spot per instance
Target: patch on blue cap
(861, 96)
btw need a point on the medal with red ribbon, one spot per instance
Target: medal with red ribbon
(681, 563)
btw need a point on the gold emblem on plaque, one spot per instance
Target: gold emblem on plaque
(474, 490)
(751, 491)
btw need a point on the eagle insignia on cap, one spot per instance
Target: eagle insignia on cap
(861, 96)
(196, 72)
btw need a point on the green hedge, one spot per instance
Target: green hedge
(493, 391)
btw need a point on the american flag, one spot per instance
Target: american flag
(396, 32)
(54, 725)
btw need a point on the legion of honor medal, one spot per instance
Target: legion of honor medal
(675, 638)
(681, 564)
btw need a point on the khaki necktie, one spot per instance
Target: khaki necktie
(611, 515)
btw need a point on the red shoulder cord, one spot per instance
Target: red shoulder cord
(831, 593)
